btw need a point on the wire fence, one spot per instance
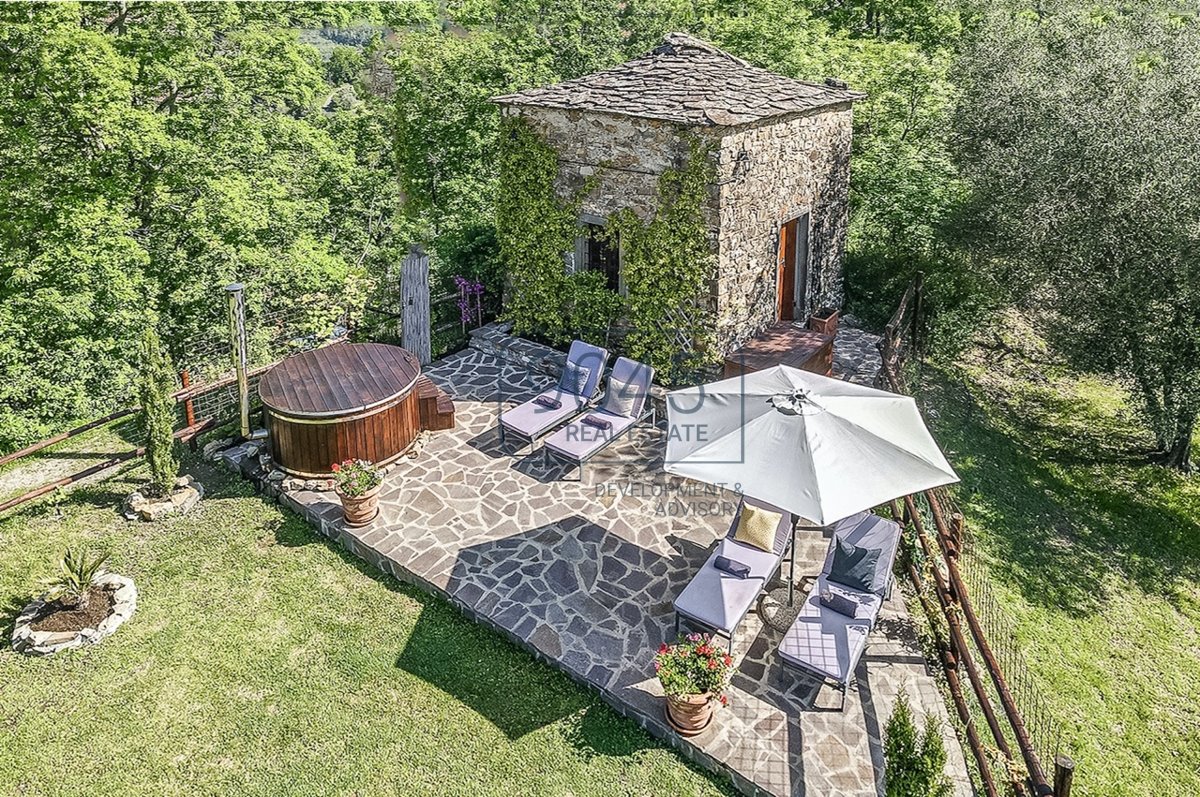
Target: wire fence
(973, 630)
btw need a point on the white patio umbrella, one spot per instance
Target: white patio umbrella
(821, 448)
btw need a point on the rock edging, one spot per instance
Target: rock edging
(47, 643)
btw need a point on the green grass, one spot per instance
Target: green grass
(262, 660)
(1095, 557)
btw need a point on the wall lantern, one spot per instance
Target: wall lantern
(741, 165)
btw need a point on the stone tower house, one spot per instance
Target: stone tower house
(777, 209)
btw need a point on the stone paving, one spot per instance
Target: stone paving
(584, 575)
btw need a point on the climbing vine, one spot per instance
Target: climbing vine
(668, 264)
(535, 229)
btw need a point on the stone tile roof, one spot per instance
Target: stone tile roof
(689, 81)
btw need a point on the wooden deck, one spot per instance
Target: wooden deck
(783, 343)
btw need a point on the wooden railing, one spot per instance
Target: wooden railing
(191, 429)
(937, 533)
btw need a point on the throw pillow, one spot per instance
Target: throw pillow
(619, 397)
(574, 378)
(757, 527)
(839, 603)
(852, 566)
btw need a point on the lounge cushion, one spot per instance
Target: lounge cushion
(532, 419)
(869, 531)
(853, 566)
(719, 600)
(756, 527)
(577, 440)
(825, 642)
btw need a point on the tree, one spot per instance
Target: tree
(156, 386)
(914, 763)
(1079, 128)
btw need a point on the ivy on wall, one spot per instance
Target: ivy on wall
(669, 264)
(534, 230)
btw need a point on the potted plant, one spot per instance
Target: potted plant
(357, 483)
(693, 673)
(824, 321)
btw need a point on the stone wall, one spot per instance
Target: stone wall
(626, 154)
(789, 167)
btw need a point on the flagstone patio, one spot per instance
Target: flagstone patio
(584, 574)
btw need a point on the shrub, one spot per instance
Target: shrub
(693, 666)
(355, 477)
(70, 587)
(914, 764)
(156, 386)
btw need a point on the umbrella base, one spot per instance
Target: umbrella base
(773, 607)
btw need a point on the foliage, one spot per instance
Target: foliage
(154, 152)
(1043, 453)
(915, 763)
(693, 666)
(156, 386)
(535, 229)
(344, 65)
(668, 264)
(77, 571)
(356, 477)
(1106, 243)
(275, 678)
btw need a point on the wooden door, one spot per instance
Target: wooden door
(792, 284)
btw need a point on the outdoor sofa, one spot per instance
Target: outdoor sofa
(718, 601)
(623, 407)
(529, 421)
(825, 643)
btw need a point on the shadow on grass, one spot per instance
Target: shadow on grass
(1062, 500)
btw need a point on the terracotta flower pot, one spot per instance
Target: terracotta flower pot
(362, 509)
(824, 321)
(690, 714)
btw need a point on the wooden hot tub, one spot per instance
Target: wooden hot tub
(347, 401)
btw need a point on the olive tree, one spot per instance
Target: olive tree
(1079, 129)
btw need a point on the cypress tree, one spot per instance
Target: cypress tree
(156, 384)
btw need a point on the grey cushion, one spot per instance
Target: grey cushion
(619, 397)
(825, 642)
(853, 567)
(574, 378)
(839, 603)
(719, 600)
(869, 531)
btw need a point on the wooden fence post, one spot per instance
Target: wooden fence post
(1064, 773)
(241, 356)
(414, 304)
(189, 405)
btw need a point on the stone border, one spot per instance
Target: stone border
(187, 494)
(47, 643)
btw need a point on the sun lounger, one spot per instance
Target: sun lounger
(828, 644)
(532, 419)
(718, 601)
(624, 405)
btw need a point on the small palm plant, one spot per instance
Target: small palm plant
(70, 587)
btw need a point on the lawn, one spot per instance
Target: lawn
(1095, 556)
(263, 660)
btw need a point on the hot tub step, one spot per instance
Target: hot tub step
(436, 406)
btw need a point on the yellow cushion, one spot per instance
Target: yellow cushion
(757, 527)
